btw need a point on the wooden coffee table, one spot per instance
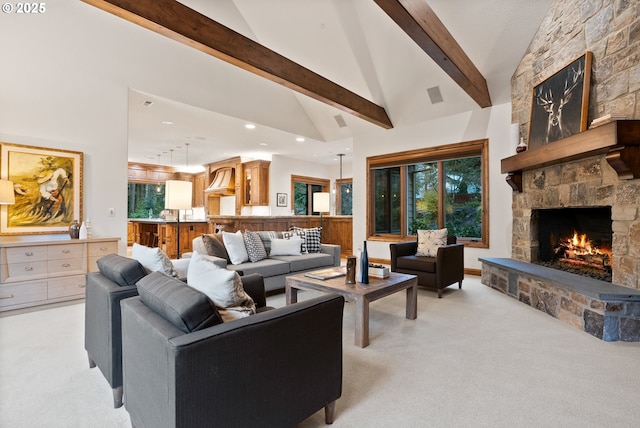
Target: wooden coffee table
(360, 294)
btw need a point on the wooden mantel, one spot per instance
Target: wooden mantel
(619, 140)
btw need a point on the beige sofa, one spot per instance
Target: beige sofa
(275, 269)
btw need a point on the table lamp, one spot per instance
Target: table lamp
(321, 203)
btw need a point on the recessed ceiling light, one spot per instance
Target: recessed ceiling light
(167, 122)
(263, 144)
(299, 139)
(250, 126)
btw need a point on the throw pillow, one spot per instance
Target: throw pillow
(430, 240)
(186, 308)
(153, 259)
(299, 234)
(234, 243)
(286, 247)
(254, 246)
(266, 237)
(222, 286)
(312, 238)
(215, 246)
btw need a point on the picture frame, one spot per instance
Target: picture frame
(47, 186)
(281, 199)
(560, 104)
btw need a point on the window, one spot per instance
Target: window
(433, 188)
(144, 197)
(302, 189)
(344, 196)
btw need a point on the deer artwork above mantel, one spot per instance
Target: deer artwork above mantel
(553, 103)
(618, 140)
(560, 104)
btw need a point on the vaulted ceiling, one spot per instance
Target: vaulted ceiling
(342, 68)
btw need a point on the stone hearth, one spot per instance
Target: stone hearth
(608, 312)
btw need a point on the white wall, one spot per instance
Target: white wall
(492, 123)
(281, 170)
(52, 98)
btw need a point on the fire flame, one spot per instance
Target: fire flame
(579, 245)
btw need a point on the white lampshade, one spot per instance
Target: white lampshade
(7, 195)
(177, 195)
(321, 202)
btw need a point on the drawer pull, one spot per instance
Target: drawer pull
(81, 285)
(28, 268)
(103, 248)
(6, 297)
(66, 251)
(66, 265)
(28, 253)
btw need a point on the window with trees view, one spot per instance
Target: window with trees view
(302, 189)
(344, 197)
(144, 197)
(433, 188)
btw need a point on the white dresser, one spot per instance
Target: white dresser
(35, 270)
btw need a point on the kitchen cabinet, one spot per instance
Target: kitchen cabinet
(256, 182)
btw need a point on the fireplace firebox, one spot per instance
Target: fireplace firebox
(576, 240)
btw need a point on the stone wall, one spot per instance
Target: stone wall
(611, 30)
(608, 28)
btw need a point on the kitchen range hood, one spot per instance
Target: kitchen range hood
(223, 184)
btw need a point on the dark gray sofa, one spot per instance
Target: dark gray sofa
(272, 369)
(104, 290)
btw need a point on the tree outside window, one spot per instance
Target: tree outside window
(344, 197)
(431, 188)
(303, 189)
(144, 197)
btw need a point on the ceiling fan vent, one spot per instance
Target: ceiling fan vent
(340, 121)
(434, 95)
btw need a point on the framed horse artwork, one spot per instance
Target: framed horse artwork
(47, 185)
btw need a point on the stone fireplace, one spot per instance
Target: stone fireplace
(594, 169)
(574, 187)
(576, 240)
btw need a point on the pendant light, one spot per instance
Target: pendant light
(158, 189)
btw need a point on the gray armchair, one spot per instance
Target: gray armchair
(102, 332)
(272, 369)
(115, 281)
(433, 272)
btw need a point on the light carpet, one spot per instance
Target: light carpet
(475, 358)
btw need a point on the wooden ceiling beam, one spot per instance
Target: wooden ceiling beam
(424, 27)
(178, 22)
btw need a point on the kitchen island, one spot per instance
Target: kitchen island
(157, 232)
